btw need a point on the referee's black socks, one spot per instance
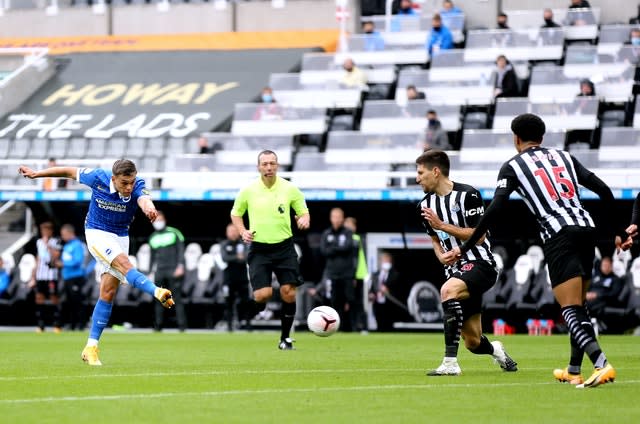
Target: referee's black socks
(288, 314)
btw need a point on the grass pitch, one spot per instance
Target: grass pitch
(346, 378)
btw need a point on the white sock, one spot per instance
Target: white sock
(449, 360)
(92, 342)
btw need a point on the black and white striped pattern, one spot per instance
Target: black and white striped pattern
(582, 332)
(459, 209)
(43, 271)
(549, 187)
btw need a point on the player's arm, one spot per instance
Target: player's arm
(437, 249)
(591, 181)
(507, 183)
(299, 205)
(148, 208)
(53, 172)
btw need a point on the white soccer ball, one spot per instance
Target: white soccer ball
(323, 321)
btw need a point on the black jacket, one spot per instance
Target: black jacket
(337, 246)
(234, 252)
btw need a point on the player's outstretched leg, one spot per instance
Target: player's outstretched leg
(582, 331)
(141, 282)
(453, 320)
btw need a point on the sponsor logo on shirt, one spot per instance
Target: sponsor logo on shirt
(502, 183)
(475, 211)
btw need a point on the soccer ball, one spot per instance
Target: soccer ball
(323, 321)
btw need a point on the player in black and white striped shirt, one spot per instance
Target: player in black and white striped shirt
(547, 180)
(449, 212)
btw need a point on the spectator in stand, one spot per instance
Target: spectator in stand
(579, 4)
(547, 15)
(586, 88)
(373, 40)
(4, 277)
(580, 18)
(53, 184)
(269, 110)
(636, 19)
(414, 94)
(448, 9)
(501, 21)
(406, 8)
(604, 290)
(440, 38)
(435, 137)
(631, 54)
(506, 82)
(353, 77)
(405, 11)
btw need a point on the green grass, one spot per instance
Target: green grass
(347, 378)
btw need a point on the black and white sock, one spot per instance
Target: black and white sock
(452, 327)
(582, 332)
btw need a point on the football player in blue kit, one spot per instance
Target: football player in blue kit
(116, 195)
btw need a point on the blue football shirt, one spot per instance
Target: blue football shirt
(108, 210)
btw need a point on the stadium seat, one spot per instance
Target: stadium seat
(613, 118)
(77, 148)
(39, 148)
(115, 147)
(5, 144)
(58, 148)
(521, 304)
(136, 148)
(475, 121)
(19, 148)
(143, 257)
(96, 148)
(155, 148)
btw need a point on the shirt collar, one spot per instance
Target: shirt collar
(112, 188)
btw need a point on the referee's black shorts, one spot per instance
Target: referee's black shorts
(265, 259)
(570, 254)
(479, 276)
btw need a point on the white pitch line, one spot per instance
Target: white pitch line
(276, 391)
(241, 372)
(205, 373)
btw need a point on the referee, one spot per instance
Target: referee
(268, 202)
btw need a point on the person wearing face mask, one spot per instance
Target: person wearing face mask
(435, 136)
(167, 260)
(506, 81)
(501, 21)
(547, 15)
(440, 38)
(388, 295)
(630, 55)
(268, 110)
(353, 76)
(373, 40)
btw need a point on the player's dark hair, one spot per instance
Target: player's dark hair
(528, 127)
(124, 167)
(432, 158)
(267, 152)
